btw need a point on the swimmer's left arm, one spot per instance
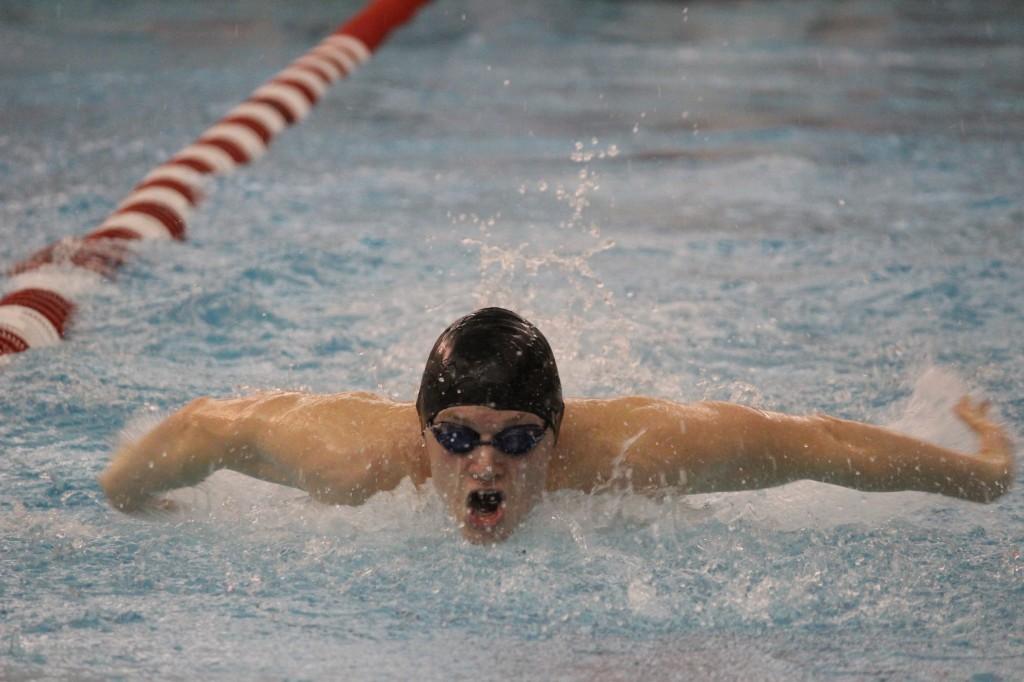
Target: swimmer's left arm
(872, 458)
(719, 446)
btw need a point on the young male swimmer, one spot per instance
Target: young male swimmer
(491, 431)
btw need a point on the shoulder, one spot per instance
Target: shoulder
(298, 403)
(598, 435)
(630, 411)
(339, 442)
(333, 415)
(648, 411)
(589, 407)
(601, 435)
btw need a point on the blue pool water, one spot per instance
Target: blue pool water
(799, 206)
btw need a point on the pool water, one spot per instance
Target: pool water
(801, 206)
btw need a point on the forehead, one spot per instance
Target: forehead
(486, 417)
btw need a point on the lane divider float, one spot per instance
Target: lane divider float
(159, 206)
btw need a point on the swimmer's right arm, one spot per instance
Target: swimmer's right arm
(181, 451)
(341, 449)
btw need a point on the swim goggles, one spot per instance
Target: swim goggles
(514, 441)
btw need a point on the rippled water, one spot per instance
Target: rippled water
(799, 206)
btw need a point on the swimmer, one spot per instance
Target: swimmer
(490, 430)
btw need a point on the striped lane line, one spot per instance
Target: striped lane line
(161, 204)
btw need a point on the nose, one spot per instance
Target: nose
(484, 463)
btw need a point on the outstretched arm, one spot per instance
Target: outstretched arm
(875, 459)
(708, 447)
(181, 451)
(341, 449)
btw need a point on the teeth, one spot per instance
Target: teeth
(485, 501)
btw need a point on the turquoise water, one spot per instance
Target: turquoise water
(799, 206)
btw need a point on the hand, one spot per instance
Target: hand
(995, 447)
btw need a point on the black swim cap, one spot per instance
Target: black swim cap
(495, 358)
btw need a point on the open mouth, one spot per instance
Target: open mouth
(486, 507)
(485, 501)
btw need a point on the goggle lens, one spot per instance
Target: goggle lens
(514, 441)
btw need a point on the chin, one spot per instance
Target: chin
(487, 529)
(485, 536)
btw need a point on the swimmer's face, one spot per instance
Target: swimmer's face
(486, 491)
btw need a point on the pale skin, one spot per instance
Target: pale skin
(344, 448)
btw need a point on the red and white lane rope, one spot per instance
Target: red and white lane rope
(160, 205)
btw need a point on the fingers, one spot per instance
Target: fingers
(973, 413)
(975, 406)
